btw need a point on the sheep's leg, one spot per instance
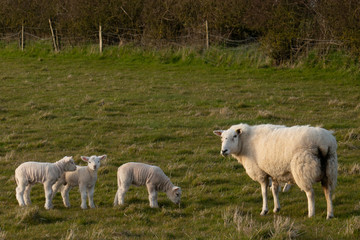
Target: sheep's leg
(27, 194)
(330, 210)
(65, 195)
(286, 187)
(123, 188)
(311, 202)
(20, 193)
(152, 196)
(275, 193)
(264, 186)
(83, 193)
(48, 195)
(56, 187)
(90, 192)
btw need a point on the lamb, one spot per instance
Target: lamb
(29, 173)
(299, 154)
(140, 174)
(85, 177)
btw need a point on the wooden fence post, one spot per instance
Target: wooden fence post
(100, 39)
(53, 36)
(207, 34)
(22, 37)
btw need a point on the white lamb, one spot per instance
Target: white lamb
(29, 173)
(300, 154)
(140, 174)
(85, 177)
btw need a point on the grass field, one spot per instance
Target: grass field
(161, 109)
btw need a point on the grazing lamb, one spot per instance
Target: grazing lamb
(29, 173)
(85, 177)
(300, 154)
(140, 174)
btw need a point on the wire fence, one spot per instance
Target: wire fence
(121, 36)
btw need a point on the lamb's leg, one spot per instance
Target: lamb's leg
(65, 195)
(27, 194)
(152, 196)
(20, 193)
(330, 210)
(264, 186)
(90, 192)
(48, 195)
(123, 188)
(275, 193)
(311, 202)
(56, 187)
(83, 193)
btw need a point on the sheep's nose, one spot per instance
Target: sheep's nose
(224, 152)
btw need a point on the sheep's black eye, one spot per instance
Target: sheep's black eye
(235, 136)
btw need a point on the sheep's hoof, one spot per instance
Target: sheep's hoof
(329, 216)
(82, 207)
(276, 210)
(264, 212)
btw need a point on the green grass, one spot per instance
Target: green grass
(160, 107)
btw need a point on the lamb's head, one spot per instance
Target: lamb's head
(229, 140)
(69, 164)
(174, 194)
(93, 161)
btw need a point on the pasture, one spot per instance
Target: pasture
(161, 110)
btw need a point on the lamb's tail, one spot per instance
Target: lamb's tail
(116, 199)
(329, 167)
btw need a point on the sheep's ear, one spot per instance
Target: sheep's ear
(67, 159)
(102, 157)
(176, 189)
(218, 132)
(85, 159)
(239, 131)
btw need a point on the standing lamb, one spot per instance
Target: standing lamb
(140, 174)
(29, 173)
(85, 177)
(300, 154)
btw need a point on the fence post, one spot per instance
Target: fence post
(53, 36)
(207, 34)
(22, 37)
(100, 39)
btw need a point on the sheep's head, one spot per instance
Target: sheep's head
(229, 141)
(93, 161)
(174, 194)
(69, 164)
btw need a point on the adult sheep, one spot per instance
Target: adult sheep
(299, 154)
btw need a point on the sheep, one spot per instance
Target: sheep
(29, 173)
(85, 177)
(299, 154)
(140, 174)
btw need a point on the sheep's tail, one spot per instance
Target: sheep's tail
(116, 200)
(329, 167)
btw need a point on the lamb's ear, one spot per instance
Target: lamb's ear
(67, 159)
(102, 157)
(239, 131)
(218, 132)
(176, 189)
(85, 159)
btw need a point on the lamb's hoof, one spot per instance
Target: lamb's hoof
(83, 207)
(49, 207)
(329, 216)
(263, 213)
(276, 210)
